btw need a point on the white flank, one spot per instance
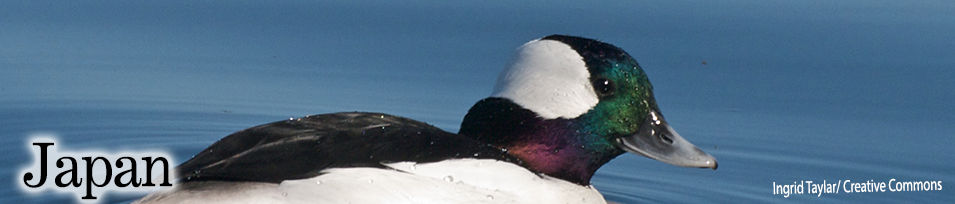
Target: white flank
(549, 78)
(454, 181)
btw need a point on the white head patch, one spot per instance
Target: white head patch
(549, 78)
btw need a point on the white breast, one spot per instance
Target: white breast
(454, 181)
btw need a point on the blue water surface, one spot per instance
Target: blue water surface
(778, 91)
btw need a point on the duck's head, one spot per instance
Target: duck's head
(567, 105)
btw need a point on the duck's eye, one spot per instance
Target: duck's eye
(603, 87)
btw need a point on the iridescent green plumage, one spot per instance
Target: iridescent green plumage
(619, 114)
(625, 117)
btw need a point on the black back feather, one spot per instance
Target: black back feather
(301, 148)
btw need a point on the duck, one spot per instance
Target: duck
(563, 107)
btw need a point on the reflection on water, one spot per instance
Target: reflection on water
(790, 91)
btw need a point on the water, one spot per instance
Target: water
(777, 91)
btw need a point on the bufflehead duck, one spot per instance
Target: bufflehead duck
(563, 107)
